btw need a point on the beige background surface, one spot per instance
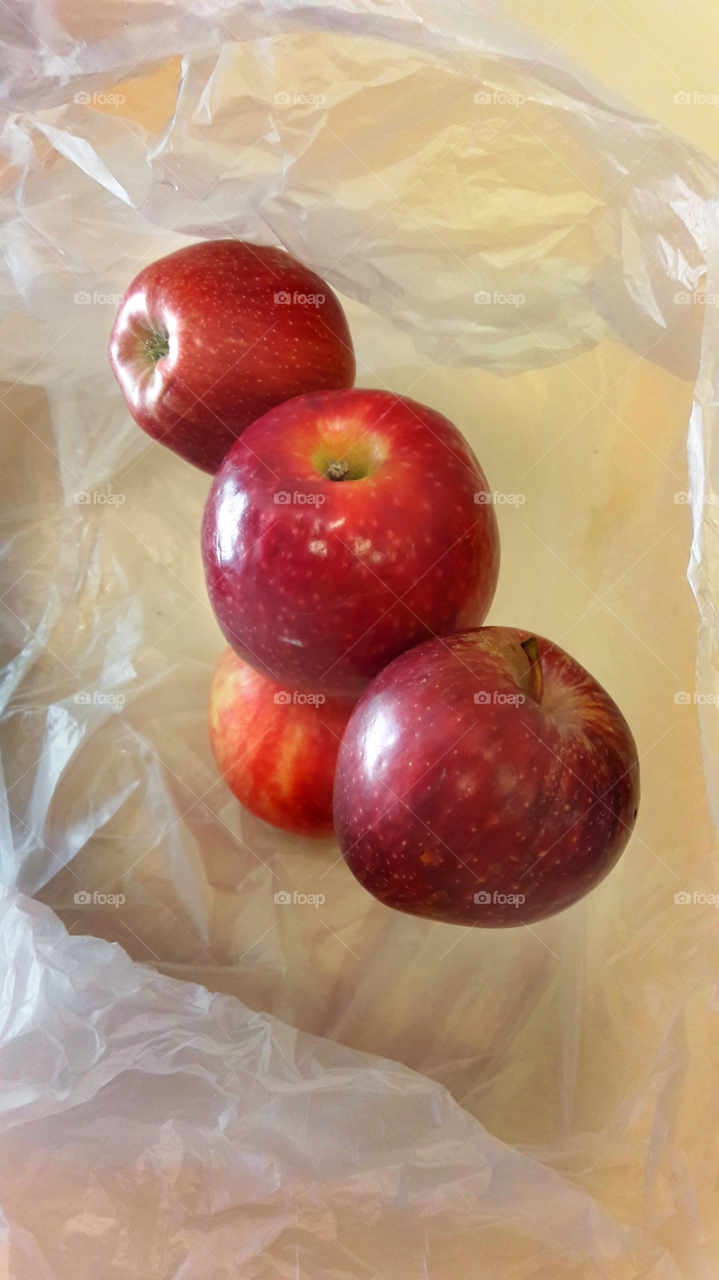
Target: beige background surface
(646, 50)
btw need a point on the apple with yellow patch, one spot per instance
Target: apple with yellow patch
(276, 747)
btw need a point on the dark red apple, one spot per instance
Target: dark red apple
(342, 529)
(485, 779)
(212, 336)
(276, 748)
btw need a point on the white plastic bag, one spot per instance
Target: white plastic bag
(527, 255)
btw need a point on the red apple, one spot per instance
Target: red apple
(343, 528)
(485, 779)
(212, 336)
(275, 747)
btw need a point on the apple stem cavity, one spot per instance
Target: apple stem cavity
(536, 686)
(337, 470)
(157, 345)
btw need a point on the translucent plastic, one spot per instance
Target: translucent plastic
(369, 1095)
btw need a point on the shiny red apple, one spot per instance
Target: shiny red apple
(276, 748)
(485, 779)
(212, 336)
(343, 528)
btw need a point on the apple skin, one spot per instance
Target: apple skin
(232, 351)
(323, 591)
(438, 798)
(278, 759)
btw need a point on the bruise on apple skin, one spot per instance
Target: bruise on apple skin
(525, 801)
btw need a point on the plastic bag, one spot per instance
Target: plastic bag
(529, 256)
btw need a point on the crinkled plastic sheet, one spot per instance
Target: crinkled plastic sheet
(365, 1094)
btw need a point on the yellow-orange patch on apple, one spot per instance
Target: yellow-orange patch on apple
(276, 748)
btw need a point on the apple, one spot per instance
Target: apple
(276, 748)
(342, 528)
(485, 779)
(212, 336)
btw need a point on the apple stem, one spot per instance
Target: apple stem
(157, 346)
(337, 470)
(531, 648)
